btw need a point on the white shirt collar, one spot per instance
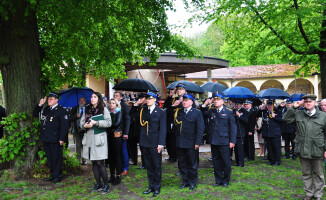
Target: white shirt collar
(151, 108)
(54, 106)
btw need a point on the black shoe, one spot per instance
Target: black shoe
(240, 165)
(148, 191)
(172, 160)
(48, 179)
(294, 157)
(178, 173)
(141, 167)
(217, 184)
(112, 178)
(210, 159)
(225, 185)
(97, 187)
(117, 180)
(105, 189)
(286, 157)
(276, 164)
(265, 158)
(56, 180)
(183, 185)
(192, 187)
(156, 192)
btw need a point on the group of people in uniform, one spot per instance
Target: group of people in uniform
(180, 126)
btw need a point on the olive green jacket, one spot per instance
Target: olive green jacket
(310, 132)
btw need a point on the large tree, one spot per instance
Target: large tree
(47, 43)
(294, 29)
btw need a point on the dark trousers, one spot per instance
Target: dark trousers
(114, 147)
(239, 151)
(250, 140)
(153, 162)
(171, 144)
(274, 149)
(221, 163)
(289, 138)
(132, 148)
(53, 152)
(188, 163)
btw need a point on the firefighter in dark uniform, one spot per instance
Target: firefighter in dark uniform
(271, 129)
(222, 133)
(152, 139)
(54, 130)
(250, 129)
(241, 119)
(289, 133)
(189, 133)
(170, 134)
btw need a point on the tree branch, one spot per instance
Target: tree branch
(282, 40)
(303, 33)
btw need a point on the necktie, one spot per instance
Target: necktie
(81, 112)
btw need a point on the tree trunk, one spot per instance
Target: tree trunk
(22, 74)
(322, 60)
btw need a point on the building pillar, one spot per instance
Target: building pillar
(316, 86)
(111, 91)
(209, 79)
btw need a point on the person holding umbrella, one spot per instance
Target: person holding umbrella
(272, 132)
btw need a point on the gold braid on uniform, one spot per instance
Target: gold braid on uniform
(175, 119)
(173, 100)
(141, 121)
(210, 107)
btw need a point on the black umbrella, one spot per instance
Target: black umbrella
(136, 85)
(213, 87)
(190, 86)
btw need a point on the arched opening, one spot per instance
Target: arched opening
(300, 86)
(247, 84)
(271, 84)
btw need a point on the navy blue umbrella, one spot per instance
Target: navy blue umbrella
(273, 93)
(297, 96)
(136, 85)
(70, 97)
(238, 92)
(213, 87)
(190, 86)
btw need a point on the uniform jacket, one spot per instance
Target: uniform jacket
(95, 147)
(222, 129)
(310, 133)
(271, 126)
(153, 132)
(54, 123)
(250, 126)
(192, 128)
(241, 122)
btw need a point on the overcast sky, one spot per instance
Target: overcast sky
(180, 17)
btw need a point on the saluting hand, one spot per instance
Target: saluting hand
(298, 103)
(250, 133)
(176, 103)
(172, 92)
(42, 101)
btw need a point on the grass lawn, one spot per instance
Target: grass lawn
(256, 180)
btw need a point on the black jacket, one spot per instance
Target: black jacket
(126, 118)
(54, 123)
(241, 122)
(116, 119)
(271, 126)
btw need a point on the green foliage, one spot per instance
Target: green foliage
(17, 138)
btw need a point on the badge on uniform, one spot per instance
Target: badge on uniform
(51, 119)
(66, 116)
(223, 114)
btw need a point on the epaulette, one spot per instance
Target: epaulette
(229, 108)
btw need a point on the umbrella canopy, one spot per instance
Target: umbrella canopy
(297, 96)
(238, 92)
(273, 93)
(190, 86)
(136, 85)
(70, 97)
(213, 87)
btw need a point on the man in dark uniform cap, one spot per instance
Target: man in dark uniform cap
(289, 133)
(170, 110)
(271, 130)
(152, 139)
(189, 133)
(222, 133)
(54, 130)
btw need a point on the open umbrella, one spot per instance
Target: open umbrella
(297, 96)
(136, 85)
(190, 86)
(70, 97)
(273, 93)
(213, 87)
(238, 92)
